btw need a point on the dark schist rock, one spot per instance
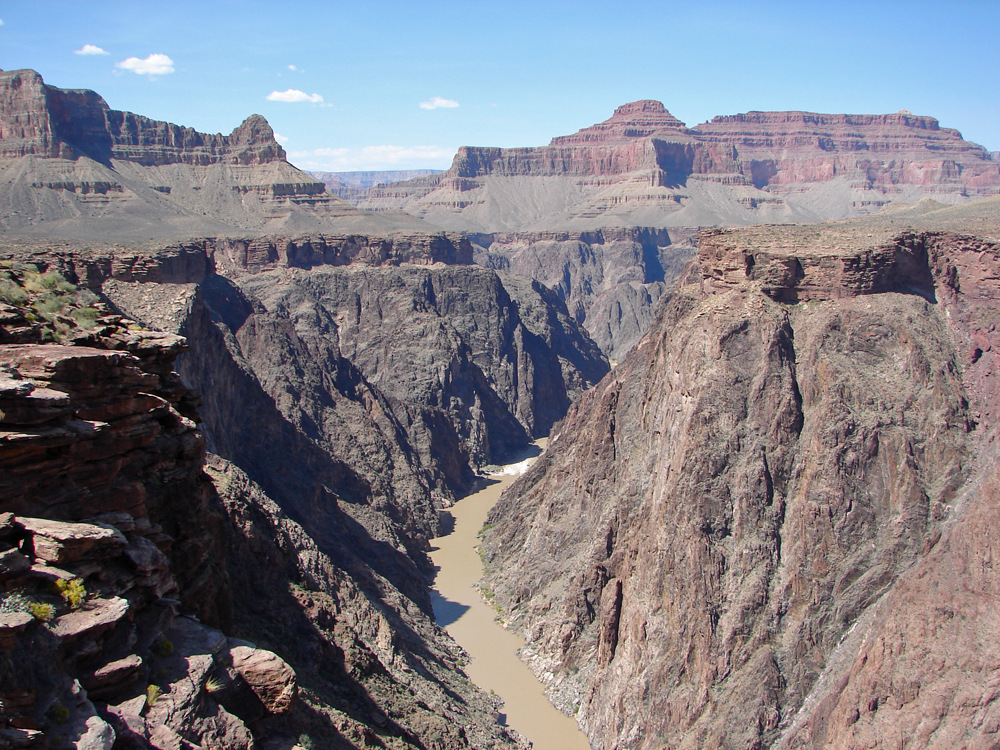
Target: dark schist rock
(729, 541)
(610, 279)
(392, 374)
(119, 537)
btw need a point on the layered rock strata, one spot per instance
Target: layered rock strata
(74, 167)
(120, 538)
(109, 532)
(644, 167)
(744, 535)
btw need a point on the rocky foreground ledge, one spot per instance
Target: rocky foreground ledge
(108, 537)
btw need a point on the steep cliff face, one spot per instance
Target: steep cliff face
(103, 489)
(73, 167)
(730, 539)
(643, 167)
(385, 376)
(374, 670)
(610, 280)
(41, 120)
(111, 539)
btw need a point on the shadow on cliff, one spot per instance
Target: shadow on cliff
(244, 426)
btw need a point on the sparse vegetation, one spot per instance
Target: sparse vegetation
(41, 610)
(11, 293)
(162, 647)
(48, 299)
(73, 591)
(15, 601)
(213, 685)
(153, 693)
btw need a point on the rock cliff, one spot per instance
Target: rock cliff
(393, 374)
(610, 279)
(104, 491)
(643, 167)
(744, 536)
(73, 167)
(111, 542)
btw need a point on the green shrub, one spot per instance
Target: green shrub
(153, 693)
(73, 591)
(49, 306)
(85, 317)
(41, 611)
(11, 293)
(162, 647)
(49, 281)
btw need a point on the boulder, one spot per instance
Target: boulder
(271, 679)
(59, 542)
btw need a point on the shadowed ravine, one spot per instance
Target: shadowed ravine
(494, 665)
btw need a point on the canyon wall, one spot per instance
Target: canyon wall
(610, 279)
(730, 539)
(75, 168)
(643, 167)
(331, 576)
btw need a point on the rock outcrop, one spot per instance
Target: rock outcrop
(121, 566)
(610, 280)
(758, 530)
(75, 168)
(110, 531)
(643, 167)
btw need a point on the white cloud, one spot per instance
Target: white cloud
(373, 158)
(294, 68)
(436, 102)
(1, 22)
(155, 65)
(91, 49)
(282, 139)
(294, 95)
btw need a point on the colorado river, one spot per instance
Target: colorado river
(460, 609)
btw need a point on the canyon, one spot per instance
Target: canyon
(235, 411)
(755, 531)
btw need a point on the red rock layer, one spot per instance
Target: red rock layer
(764, 149)
(640, 119)
(43, 120)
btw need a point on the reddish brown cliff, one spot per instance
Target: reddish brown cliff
(75, 168)
(43, 120)
(758, 530)
(644, 167)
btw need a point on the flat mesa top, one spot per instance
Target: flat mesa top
(980, 219)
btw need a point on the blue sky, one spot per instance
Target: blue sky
(346, 80)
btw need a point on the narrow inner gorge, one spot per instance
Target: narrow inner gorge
(471, 621)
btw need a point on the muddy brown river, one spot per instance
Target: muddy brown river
(460, 609)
